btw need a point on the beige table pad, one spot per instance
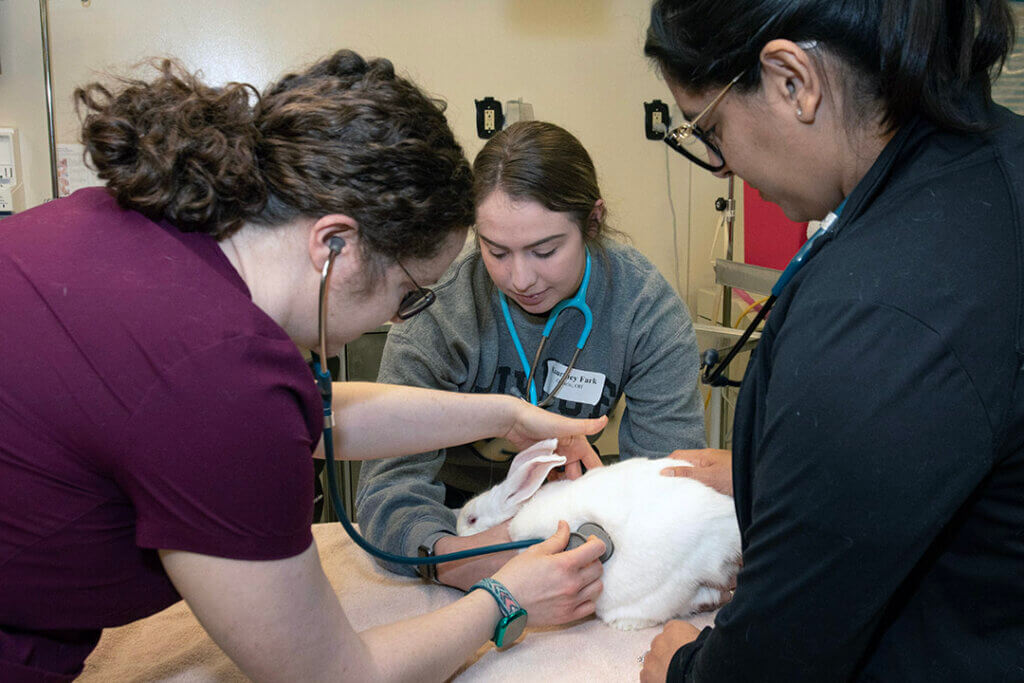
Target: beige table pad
(172, 646)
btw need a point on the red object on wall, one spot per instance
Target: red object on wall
(769, 238)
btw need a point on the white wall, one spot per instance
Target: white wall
(579, 62)
(22, 103)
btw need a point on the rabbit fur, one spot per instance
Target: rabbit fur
(677, 542)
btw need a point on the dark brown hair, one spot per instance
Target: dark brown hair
(544, 163)
(344, 136)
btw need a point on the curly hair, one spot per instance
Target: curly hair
(344, 136)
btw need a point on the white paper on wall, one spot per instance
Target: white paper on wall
(72, 173)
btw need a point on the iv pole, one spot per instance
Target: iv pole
(729, 207)
(44, 25)
(719, 428)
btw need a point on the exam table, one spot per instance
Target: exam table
(171, 646)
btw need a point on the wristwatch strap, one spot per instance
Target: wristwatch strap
(513, 616)
(506, 603)
(427, 571)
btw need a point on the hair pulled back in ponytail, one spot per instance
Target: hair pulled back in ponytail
(544, 163)
(344, 136)
(933, 58)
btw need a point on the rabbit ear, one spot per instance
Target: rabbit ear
(546, 447)
(529, 470)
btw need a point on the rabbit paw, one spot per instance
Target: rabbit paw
(707, 599)
(633, 624)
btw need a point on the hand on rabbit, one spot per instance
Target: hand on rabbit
(578, 453)
(711, 466)
(531, 424)
(663, 648)
(555, 587)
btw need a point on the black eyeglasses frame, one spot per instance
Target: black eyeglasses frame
(678, 135)
(415, 301)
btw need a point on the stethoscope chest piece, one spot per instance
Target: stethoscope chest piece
(588, 529)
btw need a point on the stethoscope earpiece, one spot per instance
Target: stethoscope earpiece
(323, 377)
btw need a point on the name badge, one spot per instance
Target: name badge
(582, 386)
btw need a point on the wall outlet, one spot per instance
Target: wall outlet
(656, 119)
(489, 119)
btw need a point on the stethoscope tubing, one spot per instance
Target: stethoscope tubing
(577, 301)
(713, 371)
(325, 386)
(339, 507)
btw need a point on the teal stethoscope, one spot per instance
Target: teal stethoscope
(577, 301)
(710, 365)
(324, 382)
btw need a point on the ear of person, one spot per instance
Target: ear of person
(596, 216)
(791, 79)
(334, 232)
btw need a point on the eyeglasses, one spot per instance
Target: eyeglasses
(693, 143)
(415, 301)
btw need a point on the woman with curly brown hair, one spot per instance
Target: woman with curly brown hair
(159, 446)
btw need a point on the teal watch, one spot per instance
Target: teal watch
(513, 616)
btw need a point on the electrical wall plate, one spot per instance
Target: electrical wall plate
(489, 119)
(656, 119)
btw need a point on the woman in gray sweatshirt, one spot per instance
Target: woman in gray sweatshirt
(542, 239)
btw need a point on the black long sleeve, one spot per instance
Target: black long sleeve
(879, 438)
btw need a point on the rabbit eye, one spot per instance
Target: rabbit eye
(472, 520)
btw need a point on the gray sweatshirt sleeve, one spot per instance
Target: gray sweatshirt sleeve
(663, 406)
(400, 501)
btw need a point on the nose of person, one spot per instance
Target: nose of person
(723, 172)
(521, 275)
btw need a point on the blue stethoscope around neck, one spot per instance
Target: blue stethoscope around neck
(711, 367)
(324, 385)
(577, 301)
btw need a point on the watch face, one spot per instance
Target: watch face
(510, 628)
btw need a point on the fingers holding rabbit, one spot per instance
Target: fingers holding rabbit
(530, 424)
(711, 466)
(555, 587)
(663, 648)
(578, 454)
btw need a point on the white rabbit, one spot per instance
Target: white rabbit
(676, 540)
